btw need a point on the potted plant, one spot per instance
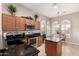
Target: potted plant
(12, 9)
(30, 18)
(35, 16)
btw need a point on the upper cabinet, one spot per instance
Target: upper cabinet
(20, 23)
(37, 25)
(14, 23)
(8, 22)
(29, 22)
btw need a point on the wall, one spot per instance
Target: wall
(23, 11)
(20, 11)
(1, 43)
(74, 18)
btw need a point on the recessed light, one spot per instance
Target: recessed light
(54, 5)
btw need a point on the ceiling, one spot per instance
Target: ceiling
(47, 9)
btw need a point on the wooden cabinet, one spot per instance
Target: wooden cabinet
(37, 25)
(53, 48)
(8, 22)
(20, 23)
(11, 22)
(29, 22)
(39, 41)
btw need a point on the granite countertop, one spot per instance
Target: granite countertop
(21, 50)
(56, 38)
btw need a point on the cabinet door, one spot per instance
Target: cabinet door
(29, 22)
(39, 41)
(20, 23)
(8, 22)
(48, 50)
(32, 22)
(37, 25)
(53, 48)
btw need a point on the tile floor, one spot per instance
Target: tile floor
(67, 50)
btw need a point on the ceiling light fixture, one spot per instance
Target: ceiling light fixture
(54, 5)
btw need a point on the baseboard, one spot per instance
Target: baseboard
(72, 43)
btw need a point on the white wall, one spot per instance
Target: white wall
(23, 11)
(1, 43)
(74, 18)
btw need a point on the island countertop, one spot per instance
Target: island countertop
(54, 38)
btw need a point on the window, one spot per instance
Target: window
(43, 26)
(64, 27)
(55, 26)
(48, 28)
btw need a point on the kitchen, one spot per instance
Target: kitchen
(26, 30)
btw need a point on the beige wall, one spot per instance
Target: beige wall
(74, 18)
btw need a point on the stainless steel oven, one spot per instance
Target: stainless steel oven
(32, 41)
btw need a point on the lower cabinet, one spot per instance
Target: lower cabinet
(39, 41)
(53, 48)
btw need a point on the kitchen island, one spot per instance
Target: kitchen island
(53, 46)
